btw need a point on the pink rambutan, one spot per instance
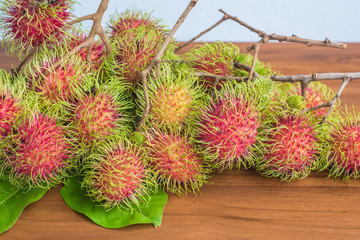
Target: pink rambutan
(118, 176)
(59, 85)
(10, 109)
(97, 50)
(131, 20)
(96, 117)
(29, 23)
(343, 152)
(215, 58)
(38, 154)
(290, 149)
(228, 130)
(317, 94)
(134, 51)
(175, 161)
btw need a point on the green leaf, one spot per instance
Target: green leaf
(74, 196)
(13, 200)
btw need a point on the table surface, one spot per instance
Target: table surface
(237, 204)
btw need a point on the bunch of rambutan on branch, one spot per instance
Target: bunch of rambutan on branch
(126, 117)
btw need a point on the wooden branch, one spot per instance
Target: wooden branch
(224, 18)
(305, 80)
(330, 104)
(267, 37)
(218, 78)
(157, 59)
(256, 52)
(315, 77)
(246, 68)
(96, 29)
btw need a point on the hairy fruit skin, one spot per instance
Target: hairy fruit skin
(95, 118)
(215, 58)
(132, 20)
(39, 153)
(27, 24)
(178, 166)
(134, 51)
(290, 149)
(10, 109)
(59, 84)
(118, 177)
(227, 132)
(345, 150)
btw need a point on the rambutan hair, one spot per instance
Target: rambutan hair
(117, 176)
(27, 24)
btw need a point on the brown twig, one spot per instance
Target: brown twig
(330, 104)
(224, 18)
(246, 68)
(305, 80)
(17, 70)
(157, 59)
(281, 38)
(256, 52)
(96, 29)
(218, 78)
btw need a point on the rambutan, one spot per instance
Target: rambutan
(341, 150)
(97, 49)
(133, 51)
(175, 98)
(132, 19)
(214, 58)
(58, 85)
(39, 153)
(101, 115)
(176, 162)
(9, 111)
(11, 107)
(228, 128)
(27, 24)
(290, 150)
(118, 176)
(317, 94)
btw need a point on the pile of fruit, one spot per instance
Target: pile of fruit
(75, 124)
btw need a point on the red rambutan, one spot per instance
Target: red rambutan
(228, 131)
(38, 154)
(131, 20)
(28, 23)
(215, 58)
(290, 149)
(175, 161)
(118, 176)
(9, 111)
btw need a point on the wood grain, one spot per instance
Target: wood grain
(238, 204)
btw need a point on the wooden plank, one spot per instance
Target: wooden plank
(238, 204)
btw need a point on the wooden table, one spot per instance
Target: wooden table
(238, 204)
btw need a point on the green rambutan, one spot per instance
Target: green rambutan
(175, 98)
(290, 148)
(38, 154)
(176, 162)
(118, 176)
(214, 58)
(29, 23)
